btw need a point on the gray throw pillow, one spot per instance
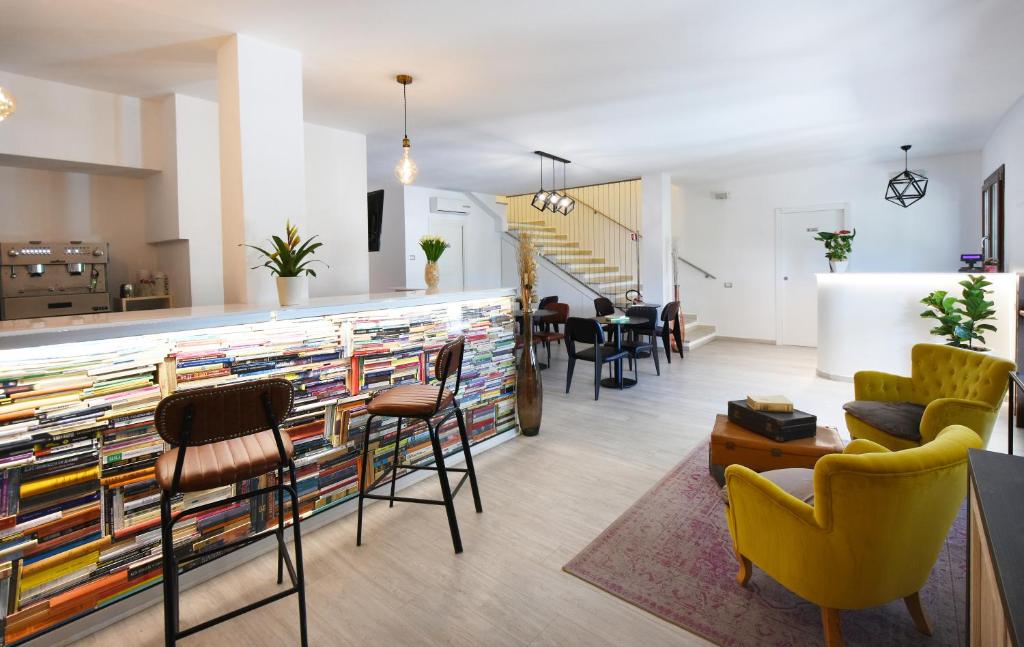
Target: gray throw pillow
(900, 419)
(798, 481)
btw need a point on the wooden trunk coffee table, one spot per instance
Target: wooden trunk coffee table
(734, 445)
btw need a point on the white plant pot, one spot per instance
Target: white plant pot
(838, 266)
(293, 290)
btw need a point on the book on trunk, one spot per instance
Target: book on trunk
(779, 403)
(778, 426)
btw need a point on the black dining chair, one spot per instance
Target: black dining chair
(603, 306)
(670, 315)
(588, 331)
(641, 340)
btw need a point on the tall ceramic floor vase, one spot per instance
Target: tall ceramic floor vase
(431, 276)
(293, 290)
(837, 266)
(529, 392)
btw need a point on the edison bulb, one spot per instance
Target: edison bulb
(7, 104)
(406, 169)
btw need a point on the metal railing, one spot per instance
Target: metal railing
(598, 243)
(707, 274)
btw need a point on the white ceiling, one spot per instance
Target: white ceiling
(703, 89)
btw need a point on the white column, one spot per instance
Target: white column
(656, 241)
(262, 159)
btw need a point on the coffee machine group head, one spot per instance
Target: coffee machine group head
(45, 279)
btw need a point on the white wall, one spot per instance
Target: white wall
(51, 205)
(1006, 146)
(65, 122)
(482, 229)
(734, 239)
(336, 209)
(387, 266)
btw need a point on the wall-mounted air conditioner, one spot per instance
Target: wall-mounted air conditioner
(450, 206)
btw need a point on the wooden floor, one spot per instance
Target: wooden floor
(545, 498)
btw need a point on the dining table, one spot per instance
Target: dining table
(618, 322)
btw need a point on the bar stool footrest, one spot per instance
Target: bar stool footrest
(252, 606)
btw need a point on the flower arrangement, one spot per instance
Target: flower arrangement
(960, 320)
(838, 245)
(433, 247)
(527, 260)
(290, 257)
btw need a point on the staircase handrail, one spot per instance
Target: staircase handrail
(707, 274)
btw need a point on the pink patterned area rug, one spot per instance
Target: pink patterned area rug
(671, 555)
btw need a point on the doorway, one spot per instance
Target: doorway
(798, 257)
(451, 265)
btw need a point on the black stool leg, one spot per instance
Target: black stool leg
(170, 569)
(446, 489)
(362, 481)
(280, 526)
(469, 459)
(654, 354)
(300, 585)
(394, 463)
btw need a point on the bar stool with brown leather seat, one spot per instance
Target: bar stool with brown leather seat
(423, 402)
(221, 436)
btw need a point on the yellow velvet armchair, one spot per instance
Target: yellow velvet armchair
(873, 533)
(956, 387)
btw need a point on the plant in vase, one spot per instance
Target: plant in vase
(290, 262)
(433, 247)
(838, 246)
(529, 393)
(960, 321)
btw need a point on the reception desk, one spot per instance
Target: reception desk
(870, 321)
(79, 506)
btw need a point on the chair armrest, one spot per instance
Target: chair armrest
(864, 446)
(758, 506)
(977, 416)
(882, 387)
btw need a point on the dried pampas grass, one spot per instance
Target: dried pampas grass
(527, 259)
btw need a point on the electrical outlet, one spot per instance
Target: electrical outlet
(728, 284)
(412, 257)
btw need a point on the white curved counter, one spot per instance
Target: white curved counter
(870, 321)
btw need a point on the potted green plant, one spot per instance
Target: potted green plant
(960, 321)
(433, 247)
(838, 246)
(290, 262)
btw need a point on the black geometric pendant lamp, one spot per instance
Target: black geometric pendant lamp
(908, 187)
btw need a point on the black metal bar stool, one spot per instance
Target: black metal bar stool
(423, 402)
(220, 436)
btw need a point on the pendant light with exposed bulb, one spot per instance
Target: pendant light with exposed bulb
(405, 170)
(554, 196)
(7, 103)
(565, 203)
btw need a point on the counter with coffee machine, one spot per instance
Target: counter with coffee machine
(46, 279)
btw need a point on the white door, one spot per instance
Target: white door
(798, 257)
(450, 266)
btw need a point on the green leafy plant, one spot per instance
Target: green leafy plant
(290, 256)
(838, 245)
(433, 247)
(960, 320)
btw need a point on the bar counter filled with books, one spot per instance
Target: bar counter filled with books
(79, 505)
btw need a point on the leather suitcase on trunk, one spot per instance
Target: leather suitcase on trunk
(734, 445)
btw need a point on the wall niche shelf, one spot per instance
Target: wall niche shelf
(70, 166)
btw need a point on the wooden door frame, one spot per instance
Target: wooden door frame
(844, 207)
(997, 179)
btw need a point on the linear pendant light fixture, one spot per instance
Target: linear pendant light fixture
(543, 199)
(406, 169)
(907, 187)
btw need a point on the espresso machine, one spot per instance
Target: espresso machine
(47, 279)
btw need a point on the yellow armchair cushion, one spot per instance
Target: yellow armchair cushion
(878, 522)
(955, 385)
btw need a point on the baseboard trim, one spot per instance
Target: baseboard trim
(76, 630)
(752, 340)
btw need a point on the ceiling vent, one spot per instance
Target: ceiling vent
(720, 195)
